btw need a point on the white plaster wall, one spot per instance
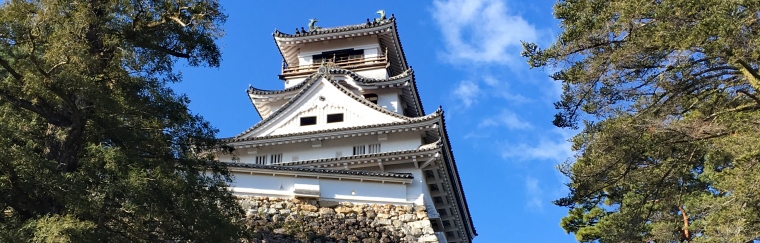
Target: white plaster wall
(362, 191)
(389, 101)
(294, 81)
(331, 189)
(304, 60)
(304, 150)
(417, 192)
(379, 73)
(372, 52)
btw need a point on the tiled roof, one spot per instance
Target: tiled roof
(325, 171)
(408, 74)
(358, 78)
(432, 116)
(367, 25)
(398, 65)
(400, 47)
(308, 83)
(252, 90)
(446, 143)
(422, 148)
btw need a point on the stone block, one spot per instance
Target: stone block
(308, 208)
(383, 222)
(342, 209)
(428, 238)
(419, 208)
(326, 211)
(328, 204)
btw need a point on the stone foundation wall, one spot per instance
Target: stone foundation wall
(295, 220)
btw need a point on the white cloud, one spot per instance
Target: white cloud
(467, 91)
(533, 195)
(553, 146)
(503, 90)
(481, 31)
(505, 118)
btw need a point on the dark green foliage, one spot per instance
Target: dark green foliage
(666, 94)
(94, 146)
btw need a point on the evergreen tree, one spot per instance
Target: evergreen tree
(94, 147)
(666, 94)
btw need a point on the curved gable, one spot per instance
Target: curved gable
(315, 103)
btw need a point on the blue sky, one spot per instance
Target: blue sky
(466, 57)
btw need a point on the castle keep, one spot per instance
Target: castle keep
(347, 143)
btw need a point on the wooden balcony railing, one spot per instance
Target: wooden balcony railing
(346, 62)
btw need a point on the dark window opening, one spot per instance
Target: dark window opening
(434, 188)
(442, 212)
(339, 56)
(438, 200)
(308, 120)
(446, 223)
(371, 97)
(334, 117)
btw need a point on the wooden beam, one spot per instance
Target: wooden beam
(430, 161)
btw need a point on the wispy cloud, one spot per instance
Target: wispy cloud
(533, 195)
(481, 31)
(502, 89)
(552, 146)
(467, 92)
(507, 119)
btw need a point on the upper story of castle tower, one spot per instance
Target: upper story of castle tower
(370, 49)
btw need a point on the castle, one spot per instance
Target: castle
(349, 131)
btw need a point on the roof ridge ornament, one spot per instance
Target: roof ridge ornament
(382, 16)
(313, 26)
(325, 67)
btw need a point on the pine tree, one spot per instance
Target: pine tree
(666, 94)
(94, 146)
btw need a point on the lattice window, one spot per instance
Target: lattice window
(261, 159)
(360, 150)
(373, 148)
(275, 158)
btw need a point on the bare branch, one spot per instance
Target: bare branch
(56, 66)
(172, 52)
(177, 20)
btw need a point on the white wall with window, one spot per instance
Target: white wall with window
(279, 185)
(330, 148)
